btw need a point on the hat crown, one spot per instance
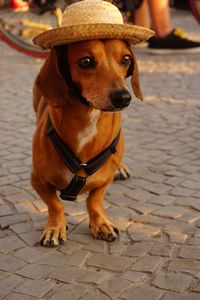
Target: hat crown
(91, 12)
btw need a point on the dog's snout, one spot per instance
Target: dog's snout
(120, 98)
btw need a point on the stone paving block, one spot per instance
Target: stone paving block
(8, 284)
(181, 296)
(172, 212)
(16, 296)
(75, 220)
(190, 184)
(158, 188)
(94, 276)
(113, 287)
(29, 254)
(92, 296)
(190, 252)
(69, 247)
(38, 216)
(193, 241)
(138, 249)
(25, 207)
(96, 246)
(10, 264)
(109, 262)
(53, 259)
(190, 217)
(35, 271)
(119, 200)
(35, 288)
(5, 210)
(152, 220)
(177, 236)
(82, 228)
(161, 200)
(19, 197)
(121, 222)
(181, 192)
(152, 177)
(31, 238)
(172, 282)
(73, 208)
(7, 190)
(38, 226)
(3, 274)
(119, 212)
(116, 247)
(14, 219)
(138, 194)
(191, 266)
(40, 205)
(80, 238)
(144, 208)
(67, 274)
(68, 291)
(133, 276)
(143, 229)
(147, 264)
(9, 179)
(173, 181)
(77, 258)
(147, 292)
(162, 249)
(196, 288)
(21, 227)
(10, 244)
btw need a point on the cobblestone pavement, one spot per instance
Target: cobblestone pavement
(157, 210)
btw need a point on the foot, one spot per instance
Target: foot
(175, 42)
(122, 173)
(103, 229)
(55, 233)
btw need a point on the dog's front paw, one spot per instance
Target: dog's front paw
(122, 173)
(103, 229)
(54, 234)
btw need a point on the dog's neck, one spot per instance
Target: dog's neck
(82, 127)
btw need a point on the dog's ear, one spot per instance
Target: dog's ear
(133, 71)
(50, 80)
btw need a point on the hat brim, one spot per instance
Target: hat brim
(75, 33)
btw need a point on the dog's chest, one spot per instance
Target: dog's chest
(88, 132)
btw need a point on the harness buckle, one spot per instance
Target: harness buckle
(83, 165)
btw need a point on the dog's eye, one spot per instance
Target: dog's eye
(126, 60)
(86, 63)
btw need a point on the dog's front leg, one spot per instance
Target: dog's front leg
(55, 230)
(100, 225)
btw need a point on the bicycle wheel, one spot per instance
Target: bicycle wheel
(17, 29)
(195, 8)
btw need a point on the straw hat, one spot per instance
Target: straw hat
(88, 20)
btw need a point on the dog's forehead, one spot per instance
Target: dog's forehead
(97, 47)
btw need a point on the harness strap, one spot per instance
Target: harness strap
(74, 164)
(76, 184)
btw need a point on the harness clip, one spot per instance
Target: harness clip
(83, 165)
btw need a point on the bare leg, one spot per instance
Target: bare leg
(55, 230)
(158, 11)
(160, 16)
(142, 17)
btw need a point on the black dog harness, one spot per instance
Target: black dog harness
(74, 164)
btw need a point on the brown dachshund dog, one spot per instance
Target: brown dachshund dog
(97, 70)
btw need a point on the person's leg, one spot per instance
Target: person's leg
(160, 17)
(142, 17)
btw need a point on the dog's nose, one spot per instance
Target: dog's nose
(120, 98)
